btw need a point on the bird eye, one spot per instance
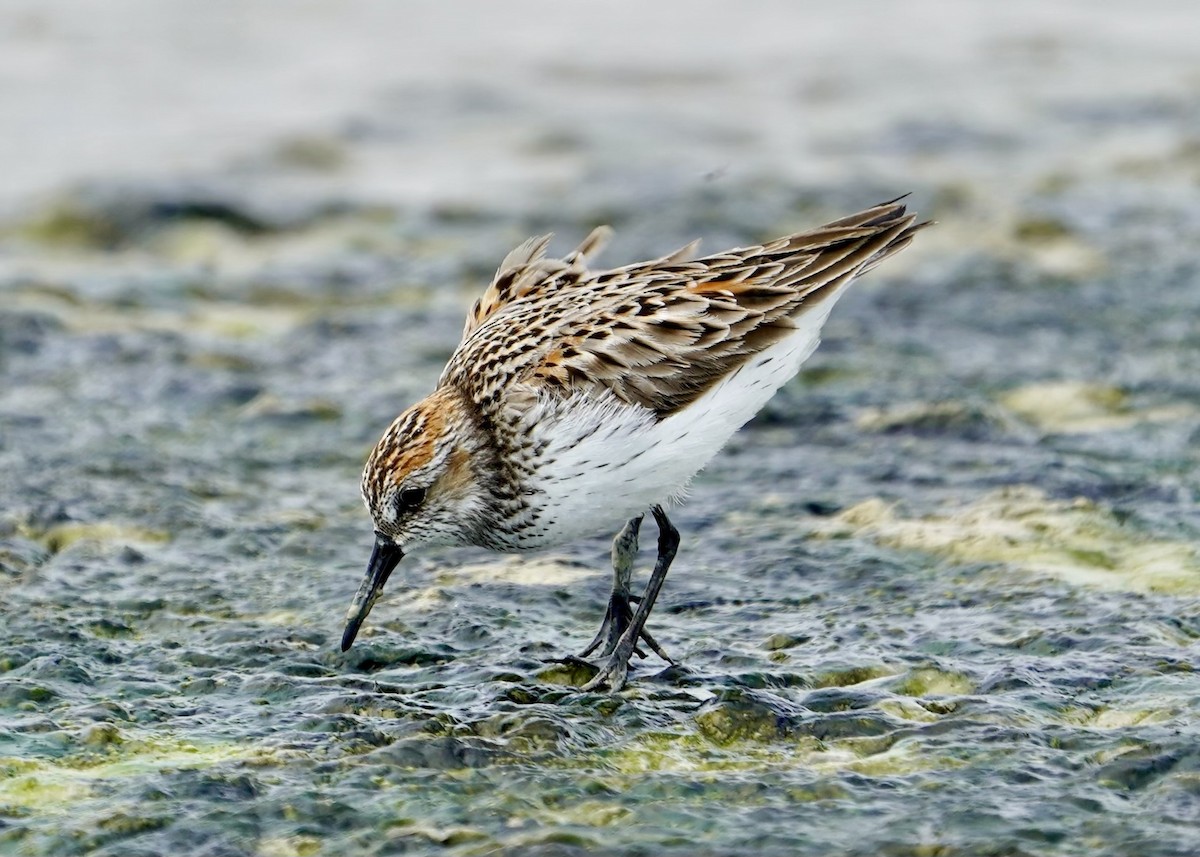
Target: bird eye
(411, 497)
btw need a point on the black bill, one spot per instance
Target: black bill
(384, 559)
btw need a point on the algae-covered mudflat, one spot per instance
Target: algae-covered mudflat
(942, 597)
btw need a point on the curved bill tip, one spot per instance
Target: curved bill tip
(384, 558)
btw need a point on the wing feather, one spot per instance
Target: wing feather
(656, 334)
(526, 273)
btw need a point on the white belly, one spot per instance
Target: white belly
(606, 462)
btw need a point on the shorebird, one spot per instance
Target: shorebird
(577, 400)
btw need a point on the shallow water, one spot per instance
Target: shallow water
(941, 597)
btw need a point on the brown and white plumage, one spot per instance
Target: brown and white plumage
(658, 333)
(577, 399)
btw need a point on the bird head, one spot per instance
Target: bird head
(420, 485)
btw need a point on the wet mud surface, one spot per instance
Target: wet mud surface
(941, 597)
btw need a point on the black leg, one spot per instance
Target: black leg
(618, 614)
(615, 669)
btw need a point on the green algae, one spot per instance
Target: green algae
(776, 642)
(1112, 717)
(1078, 540)
(1041, 229)
(121, 824)
(63, 536)
(950, 418)
(901, 759)
(1076, 407)
(65, 223)
(52, 787)
(928, 681)
(849, 676)
(522, 733)
(572, 673)
(732, 722)
(911, 710)
(313, 153)
(290, 846)
(103, 735)
(271, 407)
(727, 742)
(728, 746)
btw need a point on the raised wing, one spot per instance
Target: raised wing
(657, 334)
(527, 273)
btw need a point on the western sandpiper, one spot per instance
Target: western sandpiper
(577, 400)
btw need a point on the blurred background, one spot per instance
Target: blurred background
(947, 581)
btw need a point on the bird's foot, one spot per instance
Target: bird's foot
(622, 628)
(620, 644)
(617, 619)
(615, 668)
